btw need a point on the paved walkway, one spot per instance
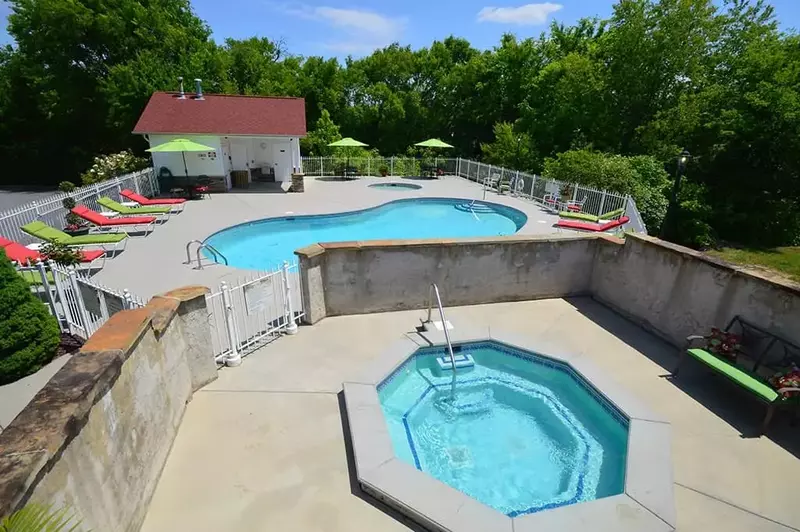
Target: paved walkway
(155, 263)
(264, 448)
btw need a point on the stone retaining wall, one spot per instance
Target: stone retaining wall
(96, 437)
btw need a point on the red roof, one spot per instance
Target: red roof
(223, 114)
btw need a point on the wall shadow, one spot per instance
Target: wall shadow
(724, 399)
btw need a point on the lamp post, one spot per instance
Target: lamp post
(519, 140)
(670, 220)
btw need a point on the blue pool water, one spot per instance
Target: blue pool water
(396, 186)
(265, 244)
(522, 434)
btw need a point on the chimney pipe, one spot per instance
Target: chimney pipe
(181, 94)
(198, 93)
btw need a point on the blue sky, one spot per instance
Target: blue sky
(342, 27)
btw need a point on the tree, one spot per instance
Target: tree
(511, 149)
(29, 335)
(316, 143)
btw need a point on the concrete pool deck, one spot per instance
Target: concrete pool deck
(264, 447)
(154, 264)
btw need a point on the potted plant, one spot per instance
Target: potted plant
(384, 170)
(74, 224)
(61, 254)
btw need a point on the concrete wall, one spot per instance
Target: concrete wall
(96, 437)
(377, 276)
(675, 291)
(671, 290)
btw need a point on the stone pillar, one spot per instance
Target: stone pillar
(312, 263)
(297, 182)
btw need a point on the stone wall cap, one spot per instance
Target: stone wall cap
(187, 293)
(162, 310)
(317, 249)
(310, 251)
(121, 331)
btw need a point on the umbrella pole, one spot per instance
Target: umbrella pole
(186, 170)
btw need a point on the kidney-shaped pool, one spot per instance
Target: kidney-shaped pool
(265, 244)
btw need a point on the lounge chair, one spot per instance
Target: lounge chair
(18, 253)
(593, 227)
(137, 224)
(176, 204)
(119, 208)
(591, 217)
(115, 242)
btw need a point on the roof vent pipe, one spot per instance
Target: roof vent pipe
(181, 94)
(198, 91)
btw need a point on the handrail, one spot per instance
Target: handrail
(217, 254)
(435, 290)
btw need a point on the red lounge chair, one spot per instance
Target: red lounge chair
(142, 223)
(141, 200)
(22, 255)
(593, 227)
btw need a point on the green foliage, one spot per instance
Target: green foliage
(316, 143)
(113, 165)
(717, 78)
(510, 149)
(66, 186)
(29, 335)
(37, 518)
(643, 177)
(61, 254)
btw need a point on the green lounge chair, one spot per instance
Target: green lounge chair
(112, 205)
(591, 217)
(42, 231)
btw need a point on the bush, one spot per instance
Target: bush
(108, 166)
(643, 177)
(29, 335)
(61, 254)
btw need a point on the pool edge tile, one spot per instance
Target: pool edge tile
(630, 405)
(649, 472)
(619, 513)
(431, 502)
(372, 444)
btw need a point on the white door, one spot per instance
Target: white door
(239, 156)
(282, 156)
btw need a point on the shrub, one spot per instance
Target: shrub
(29, 335)
(61, 254)
(108, 166)
(66, 186)
(643, 177)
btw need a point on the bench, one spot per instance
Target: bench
(761, 354)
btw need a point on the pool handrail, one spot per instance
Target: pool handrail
(214, 251)
(433, 289)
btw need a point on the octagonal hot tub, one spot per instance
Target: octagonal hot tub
(512, 435)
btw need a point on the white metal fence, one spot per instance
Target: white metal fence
(51, 211)
(80, 304)
(254, 312)
(525, 185)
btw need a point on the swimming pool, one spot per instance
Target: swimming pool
(519, 432)
(396, 186)
(265, 244)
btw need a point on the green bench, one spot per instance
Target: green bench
(762, 353)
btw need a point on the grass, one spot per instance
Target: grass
(785, 261)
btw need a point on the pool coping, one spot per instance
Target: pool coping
(647, 503)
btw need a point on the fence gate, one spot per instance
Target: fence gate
(254, 312)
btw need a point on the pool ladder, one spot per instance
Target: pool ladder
(434, 290)
(214, 251)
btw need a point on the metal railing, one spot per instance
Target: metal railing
(434, 290)
(254, 311)
(521, 184)
(51, 211)
(214, 251)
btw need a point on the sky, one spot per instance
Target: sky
(338, 28)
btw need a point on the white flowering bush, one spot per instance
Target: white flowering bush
(108, 166)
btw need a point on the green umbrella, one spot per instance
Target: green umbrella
(181, 145)
(433, 143)
(347, 142)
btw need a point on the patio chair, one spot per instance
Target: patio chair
(576, 206)
(117, 207)
(592, 227)
(591, 217)
(143, 224)
(22, 255)
(177, 204)
(115, 242)
(202, 188)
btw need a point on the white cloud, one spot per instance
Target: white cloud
(525, 15)
(358, 30)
